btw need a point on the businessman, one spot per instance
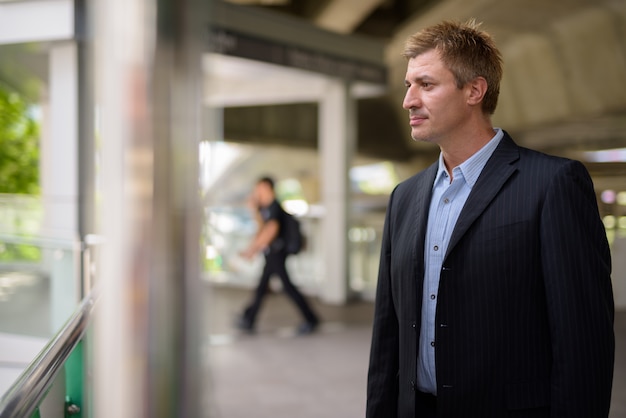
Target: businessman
(494, 293)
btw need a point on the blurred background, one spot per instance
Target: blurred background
(131, 134)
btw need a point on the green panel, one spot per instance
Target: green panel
(74, 378)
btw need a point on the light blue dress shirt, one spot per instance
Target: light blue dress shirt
(445, 207)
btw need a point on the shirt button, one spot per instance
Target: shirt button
(436, 248)
(446, 200)
(432, 343)
(432, 297)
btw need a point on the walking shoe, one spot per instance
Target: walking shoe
(245, 325)
(307, 328)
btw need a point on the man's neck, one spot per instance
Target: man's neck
(456, 152)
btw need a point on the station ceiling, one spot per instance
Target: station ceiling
(564, 89)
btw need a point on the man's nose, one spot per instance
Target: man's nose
(411, 99)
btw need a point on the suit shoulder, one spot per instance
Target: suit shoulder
(545, 162)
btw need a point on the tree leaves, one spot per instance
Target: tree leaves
(19, 144)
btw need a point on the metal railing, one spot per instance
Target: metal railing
(25, 395)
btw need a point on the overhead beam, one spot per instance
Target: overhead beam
(344, 16)
(34, 21)
(234, 28)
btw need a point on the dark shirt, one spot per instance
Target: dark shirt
(274, 212)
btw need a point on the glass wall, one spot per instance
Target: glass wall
(229, 171)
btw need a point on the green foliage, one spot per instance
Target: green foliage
(19, 252)
(19, 145)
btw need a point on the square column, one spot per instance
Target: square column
(59, 181)
(337, 136)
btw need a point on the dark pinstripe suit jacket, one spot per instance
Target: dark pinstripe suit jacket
(524, 322)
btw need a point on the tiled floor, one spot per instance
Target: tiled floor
(274, 373)
(279, 375)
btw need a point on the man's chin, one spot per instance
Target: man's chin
(426, 140)
(420, 138)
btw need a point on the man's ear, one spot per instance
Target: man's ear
(476, 90)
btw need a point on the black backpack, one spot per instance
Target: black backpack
(293, 236)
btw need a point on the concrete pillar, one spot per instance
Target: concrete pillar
(60, 145)
(59, 182)
(618, 254)
(337, 133)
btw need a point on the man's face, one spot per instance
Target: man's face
(438, 109)
(263, 194)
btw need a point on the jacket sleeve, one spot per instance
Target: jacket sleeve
(577, 272)
(382, 385)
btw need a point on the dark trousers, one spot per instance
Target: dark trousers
(275, 264)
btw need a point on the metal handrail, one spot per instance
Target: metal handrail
(25, 395)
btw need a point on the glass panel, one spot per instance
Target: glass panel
(38, 275)
(228, 230)
(229, 171)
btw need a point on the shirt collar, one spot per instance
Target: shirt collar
(473, 166)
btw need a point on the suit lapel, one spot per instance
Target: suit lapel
(423, 195)
(424, 191)
(495, 173)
